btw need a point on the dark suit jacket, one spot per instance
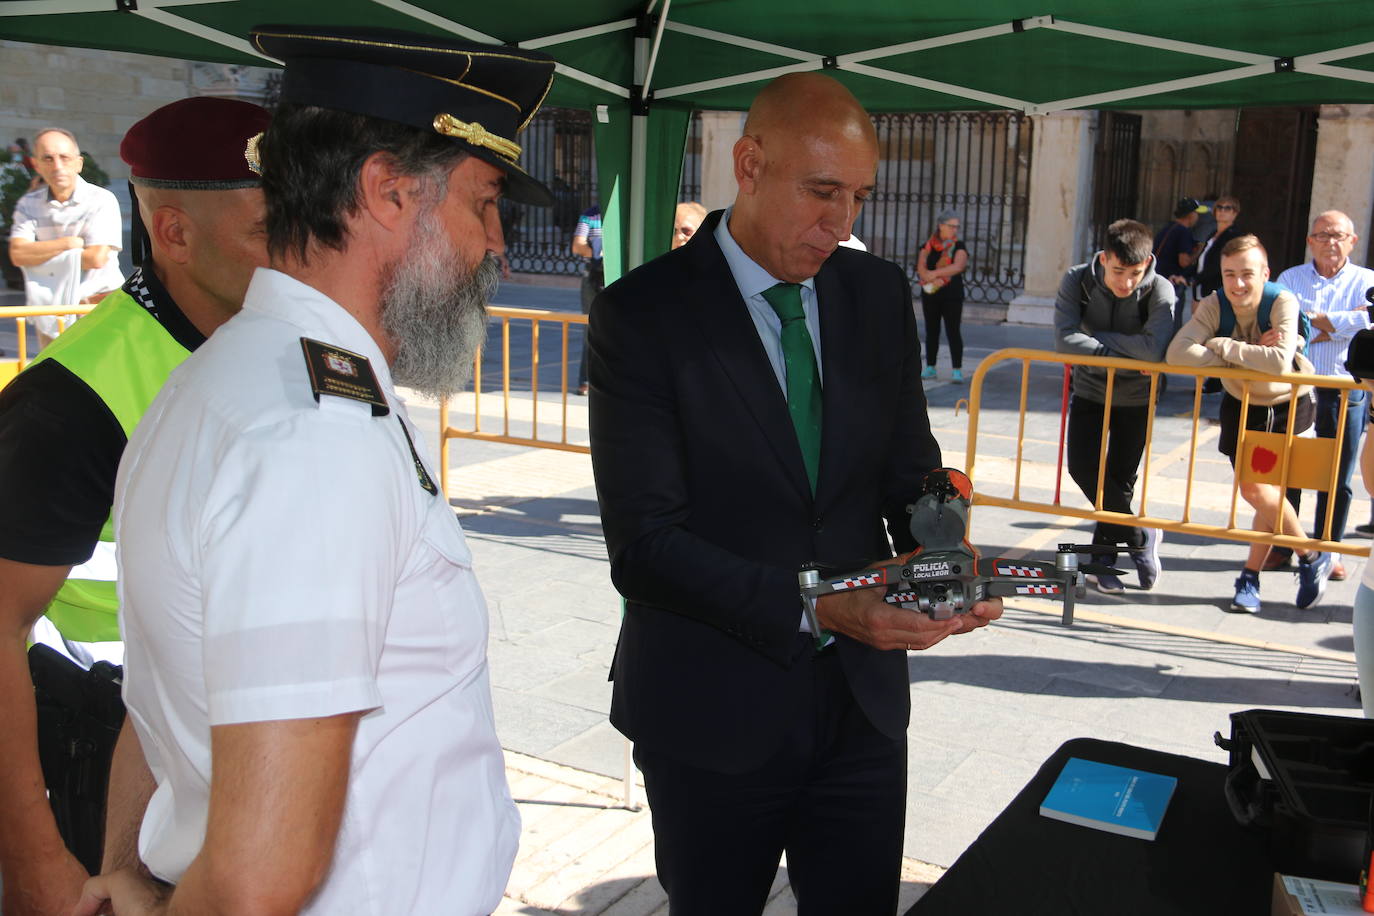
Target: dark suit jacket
(705, 503)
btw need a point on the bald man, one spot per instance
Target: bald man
(756, 406)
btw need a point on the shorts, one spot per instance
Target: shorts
(1270, 419)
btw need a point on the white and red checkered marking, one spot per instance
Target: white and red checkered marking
(876, 578)
(902, 598)
(1037, 589)
(1007, 569)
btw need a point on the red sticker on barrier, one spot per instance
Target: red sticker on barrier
(1262, 460)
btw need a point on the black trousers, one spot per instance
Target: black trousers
(833, 798)
(951, 311)
(1125, 445)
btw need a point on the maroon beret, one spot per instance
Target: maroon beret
(195, 144)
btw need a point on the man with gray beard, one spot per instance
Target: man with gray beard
(306, 642)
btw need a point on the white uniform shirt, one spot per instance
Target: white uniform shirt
(279, 559)
(92, 213)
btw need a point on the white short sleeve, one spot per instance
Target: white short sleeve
(24, 225)
(103, 225)
(300, 538)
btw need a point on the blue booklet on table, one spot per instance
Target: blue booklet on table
(1112, 798)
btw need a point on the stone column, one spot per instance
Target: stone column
(719, 131)
(1060, 209)
(1343, 174)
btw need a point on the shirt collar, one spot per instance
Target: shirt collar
(78, 193)
(284, 298)
(144, 287)
(751, 279)
(1334, 277)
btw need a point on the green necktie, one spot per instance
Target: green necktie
(803, 381)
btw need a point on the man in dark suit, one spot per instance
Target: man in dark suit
(727, 456)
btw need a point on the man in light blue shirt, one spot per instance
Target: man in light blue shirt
(1332, 292)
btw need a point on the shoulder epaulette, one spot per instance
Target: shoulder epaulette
(343, 374)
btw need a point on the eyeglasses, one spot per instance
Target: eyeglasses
(1224, 207)
(1330, 236)
(951, 225)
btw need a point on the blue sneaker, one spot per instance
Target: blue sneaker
(1247, 600)
(1313, 570)
(957, 376)
(928, 372)
(1107, 583)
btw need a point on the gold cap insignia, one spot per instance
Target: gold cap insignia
(250, 154)
(477, 135)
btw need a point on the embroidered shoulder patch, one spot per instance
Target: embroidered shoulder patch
(344, 374)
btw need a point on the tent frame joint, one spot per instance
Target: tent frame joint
(126, 6)
(1285, 65)
(640, 100)
(645, 25)
(830, 62)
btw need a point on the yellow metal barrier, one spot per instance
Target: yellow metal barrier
(9, 368)
(1300, 462)
(537, 318)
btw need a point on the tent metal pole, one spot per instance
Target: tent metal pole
(963, 92)
(200, 31)
(813, 63)
(653, 52)
(448, 25)
(63, 7)
(591, 31)
(1192, 82)
(1158, 44)
(639, 145)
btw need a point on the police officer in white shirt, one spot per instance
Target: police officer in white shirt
(1332, 292)
(306, 642)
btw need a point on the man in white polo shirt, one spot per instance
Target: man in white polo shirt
(66, 235)
(1331, 290)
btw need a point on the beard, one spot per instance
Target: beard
(434, 310)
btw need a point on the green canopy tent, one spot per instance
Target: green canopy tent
(642, 67)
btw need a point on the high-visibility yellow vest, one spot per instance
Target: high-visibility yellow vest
(125, 355)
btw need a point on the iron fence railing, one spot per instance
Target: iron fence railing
(974, 163)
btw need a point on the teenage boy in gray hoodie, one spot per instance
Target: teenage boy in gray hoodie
(1114, 305)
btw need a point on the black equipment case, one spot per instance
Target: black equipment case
(1308, 780)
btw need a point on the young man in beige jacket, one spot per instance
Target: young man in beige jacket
(1273, 350)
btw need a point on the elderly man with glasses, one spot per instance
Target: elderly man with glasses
(1332, 291)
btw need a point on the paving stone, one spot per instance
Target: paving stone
(586, 688)
(532, 725)
(600, 749)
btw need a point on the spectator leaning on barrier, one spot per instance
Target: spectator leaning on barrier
(1114, 305)
(65, 234)
(1331, 290)
(1268, 345)
(64, 422)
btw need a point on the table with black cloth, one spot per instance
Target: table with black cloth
(1202, 861)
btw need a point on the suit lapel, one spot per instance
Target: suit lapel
(730, 334)
(847, 346)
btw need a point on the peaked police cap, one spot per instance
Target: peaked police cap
(480, 96)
